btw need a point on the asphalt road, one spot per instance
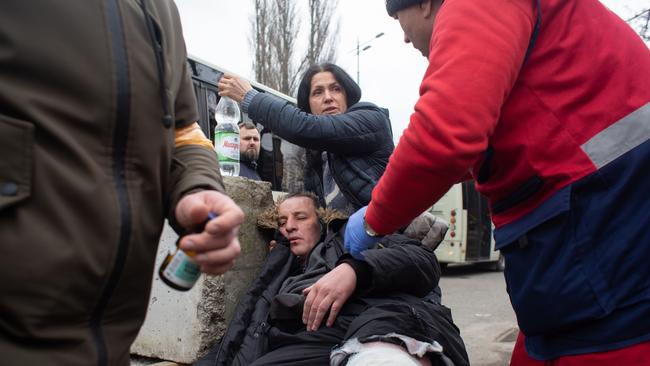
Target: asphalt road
(481, 309)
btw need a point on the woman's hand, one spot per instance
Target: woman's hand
(233, 87)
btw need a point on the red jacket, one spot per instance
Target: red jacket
(559, 141)
(587, 70)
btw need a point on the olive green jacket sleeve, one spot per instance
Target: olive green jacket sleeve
(194, 168)
(194, 163)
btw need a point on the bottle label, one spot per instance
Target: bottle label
(182, 270)
(227, 146)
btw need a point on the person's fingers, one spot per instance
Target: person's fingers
(216, 247)
(219, 257)
(218, 232)
(233, 87)
(226, 79)
(311, 315)
(204, 242)
(225, 223)
(229, 214)
(191, 211)
(318, 312)
(307, 306)
(227, 87)
(217, 269)
(334, 311)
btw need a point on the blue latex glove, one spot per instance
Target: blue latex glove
(356, 240)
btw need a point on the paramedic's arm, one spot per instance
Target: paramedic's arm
(473, 66)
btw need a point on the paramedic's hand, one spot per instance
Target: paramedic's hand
(217, 246)
(329, 293)
(233, 87)
(356, 239)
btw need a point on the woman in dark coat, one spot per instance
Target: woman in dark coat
(349, 141)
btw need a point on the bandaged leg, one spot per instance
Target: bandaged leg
(383, 350)
(382, 353)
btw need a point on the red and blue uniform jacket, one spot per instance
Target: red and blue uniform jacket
(557, 137)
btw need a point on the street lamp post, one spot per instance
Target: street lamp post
(365, 45)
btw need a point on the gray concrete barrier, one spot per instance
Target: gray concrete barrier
(183, 326)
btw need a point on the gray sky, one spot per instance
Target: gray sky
(390, 71)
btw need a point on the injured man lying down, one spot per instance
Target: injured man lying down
(312, 304)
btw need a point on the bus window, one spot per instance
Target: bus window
(280, 162)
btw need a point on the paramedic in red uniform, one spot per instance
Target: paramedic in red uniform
(546, 104)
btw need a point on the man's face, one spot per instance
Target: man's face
(417, 23)
(298, 222)
(249, 143)
(326, 96)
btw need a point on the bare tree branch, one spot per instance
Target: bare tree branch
(260, 42)
(641, 24)
(287, 31)
(275, 30)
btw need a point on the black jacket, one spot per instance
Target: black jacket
(358, 142)
(402, 272)
(248, 169)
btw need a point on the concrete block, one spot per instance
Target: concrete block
(183, 326)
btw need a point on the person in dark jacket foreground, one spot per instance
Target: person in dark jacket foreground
(350, 140)
(98, 145)
(314, 305)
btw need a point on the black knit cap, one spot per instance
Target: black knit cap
(393, 6)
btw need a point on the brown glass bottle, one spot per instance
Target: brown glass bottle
(179, 270)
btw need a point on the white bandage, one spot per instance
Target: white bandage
(413, 351)
(382, 354)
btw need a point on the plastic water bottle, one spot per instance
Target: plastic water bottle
(226, 136)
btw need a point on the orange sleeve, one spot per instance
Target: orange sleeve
(191, 135)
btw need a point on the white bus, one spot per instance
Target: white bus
(469, 238)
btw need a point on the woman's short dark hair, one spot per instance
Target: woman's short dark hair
(352, 90)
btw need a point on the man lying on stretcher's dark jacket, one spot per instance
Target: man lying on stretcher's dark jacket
(384, 305)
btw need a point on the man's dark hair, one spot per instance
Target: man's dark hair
(247, 125)
(311, 196)
(352, 90)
